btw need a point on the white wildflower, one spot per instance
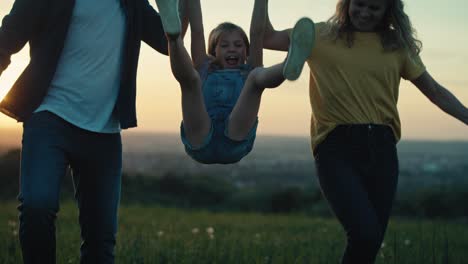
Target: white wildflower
(210, 230)
(195, 230)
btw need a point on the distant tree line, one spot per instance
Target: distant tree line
(218, 194)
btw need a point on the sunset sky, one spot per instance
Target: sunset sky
(441, 25)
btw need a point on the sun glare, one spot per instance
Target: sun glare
(6, 82)
(11, 74)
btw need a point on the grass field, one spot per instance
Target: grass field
(159, 235)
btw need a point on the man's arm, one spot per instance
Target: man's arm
(441, 97)
(153, 31)
(18, 28)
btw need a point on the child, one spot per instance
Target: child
(359, 57)
(221, 90)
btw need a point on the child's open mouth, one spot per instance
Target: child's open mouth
(232, 60)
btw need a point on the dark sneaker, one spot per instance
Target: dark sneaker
(300, 46)
(169, 12)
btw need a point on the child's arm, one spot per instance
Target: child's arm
(441, 97)
(257, 29)
(273, 39)
(198, 48)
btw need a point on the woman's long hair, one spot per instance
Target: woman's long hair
(395, 29)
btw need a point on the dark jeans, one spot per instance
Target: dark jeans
(358, 172)
(50, 146)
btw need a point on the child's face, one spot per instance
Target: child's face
(366, 15)
(230, 50)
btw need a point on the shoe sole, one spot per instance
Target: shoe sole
(301, 44)
(169, 13)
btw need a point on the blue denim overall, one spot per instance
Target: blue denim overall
(221, 89)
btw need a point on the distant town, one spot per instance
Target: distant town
(289, 161)
(283, 161)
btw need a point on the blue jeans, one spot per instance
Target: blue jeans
(50, 146)
(218, 147)
(357, 168)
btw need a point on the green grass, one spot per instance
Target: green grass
(160, 235)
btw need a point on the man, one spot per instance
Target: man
(73, 98)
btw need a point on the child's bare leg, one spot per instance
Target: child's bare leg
(197, 123)
(244, 114)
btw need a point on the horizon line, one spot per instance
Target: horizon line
(131, 132)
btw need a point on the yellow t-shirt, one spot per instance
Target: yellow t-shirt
(357, 85)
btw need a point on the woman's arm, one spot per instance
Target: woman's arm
(441, 97)
(198, 48)
(257, 29)
(273, 39)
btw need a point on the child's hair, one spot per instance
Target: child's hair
(395, 30)
(216, 33)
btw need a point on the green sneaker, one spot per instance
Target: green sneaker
(169, 12)
(302, 41)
